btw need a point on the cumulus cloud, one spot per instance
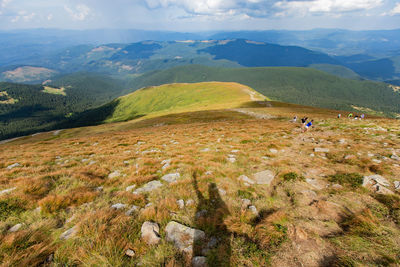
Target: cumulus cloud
(324, 6)
(24, 16)
(80, 12)
(395, 10)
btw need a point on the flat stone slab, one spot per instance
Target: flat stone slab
(321, 150)
(183, 237)
(171, 178)
(246, 179)
(153, 185)
(376, 178)
(6, 191)
(150, 233)
(69, 233)
(264, 177)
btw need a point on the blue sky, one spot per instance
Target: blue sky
(200, 15)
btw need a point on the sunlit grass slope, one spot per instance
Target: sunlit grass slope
(174, 98)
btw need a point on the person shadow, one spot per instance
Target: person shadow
(209, 217)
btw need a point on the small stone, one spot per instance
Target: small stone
(118, 206)
(235, 151)
(171, 178)
(349, 157)
(12, 166)
(264, 178)
(130, 188)
(312, 155)
(273, 150)
(253, 209)
(321, 150)
(92, 162)
(201, 213)
(126, 162)
(222, 192)
(395, 157)
(148, 205)
(99, 189)
(382, 190)
(370, 155)
(208, 173)
(130, 253)
(153, 185)
(69, 233)
(231, 160)
(15, 228)
(84, 160)
(337, 186)
(189, 202)
(377, 161)
(132, 210)
(245, 179)
(377, 178)
(205, 150)
(114, 174)
(151, 233)
(397, 185)
(183, 237)
(199, 261)
(181, 203)
(6, 191)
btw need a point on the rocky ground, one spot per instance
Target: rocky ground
(251, 190)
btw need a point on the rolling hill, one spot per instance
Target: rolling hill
(294, 85)
(172, 98)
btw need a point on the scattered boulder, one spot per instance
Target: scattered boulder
(171, 178)
(153, 185)
(254, 210)
(69, 233)
(166, 164)
(199, 261)
(379, 189)
(114, 174)
(151, 233)
(264, 177)
(183, 237)
(6, 191)
(15, 228)
(376, 178)
(130, 188)
(181, 203)
(247, 181)
(321, 150)
(12, 166)
(130, 253)
(118, 206)
(397, 185)
(132, 210)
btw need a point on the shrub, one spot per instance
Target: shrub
(292, 176)
(352, 179)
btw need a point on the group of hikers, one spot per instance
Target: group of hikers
(351, 116)
(305, 124)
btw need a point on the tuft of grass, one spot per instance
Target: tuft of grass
(392, 202)
(292, 176)
(11, 207)
(350, 179)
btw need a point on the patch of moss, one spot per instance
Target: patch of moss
(350, 179)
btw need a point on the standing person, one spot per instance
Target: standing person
(339, 115)
(295, 118)
(350, 115)
(362, 116)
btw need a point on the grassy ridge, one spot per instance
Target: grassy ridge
(174, 98)
(295, 85)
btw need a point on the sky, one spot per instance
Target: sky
(200, 15)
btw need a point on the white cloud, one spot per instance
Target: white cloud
(80, 12)
(24, 16)
(4, 4)
(50, 16)
(324, 6)
(395, 10)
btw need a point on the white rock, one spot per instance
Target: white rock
(337, 186)
(205, 150)
(12, 166)
(15, 228)
(150, 233)
(114, 174)
(92, 162)
(395, 157)
(189, 202)
(273, 150)
(377, 178)
(6, 191)
(69, 233)
(222, 192)
(377, 161)
(199, 261)
(130, 188)
(132, 210)
(231, 160)
(181, 203)
(171, 178)
(253, 209)
(312, 155)
(130, 253)
(183, 237)
(264, 178)
(245, 179)
(397, 185)
(235, 151)
(380, 189)
(84, 160)
(245, 203)
(153, 185)
(118, 206)
(321, 150)
(149, 205)
(99, 189)
(209, 173)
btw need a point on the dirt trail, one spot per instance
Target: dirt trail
(254, 114)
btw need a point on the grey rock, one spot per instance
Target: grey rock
(6, 191)
(370, 180)
(245, 203)
(183, 237)
(337, 186)
(150, 233)
(15, 228)
(12, 166)
(99, 189)
(130, 253)
(315, 183)
(149, 205)
(130, 188)
(199, 261)
(397, 185)
(201, 213)
(321, 150)
(380, 189)
(264, 177)
(273, 150)
(253, 209)
(181, 203)
(132, 210)
(171, 178)
(395, 157)
(69, 233)
(118, 206)
(222, 192)
(231, 159)
(213, 242)
(114, 174)
(245, 179)
(153, 185)
(189, 202)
